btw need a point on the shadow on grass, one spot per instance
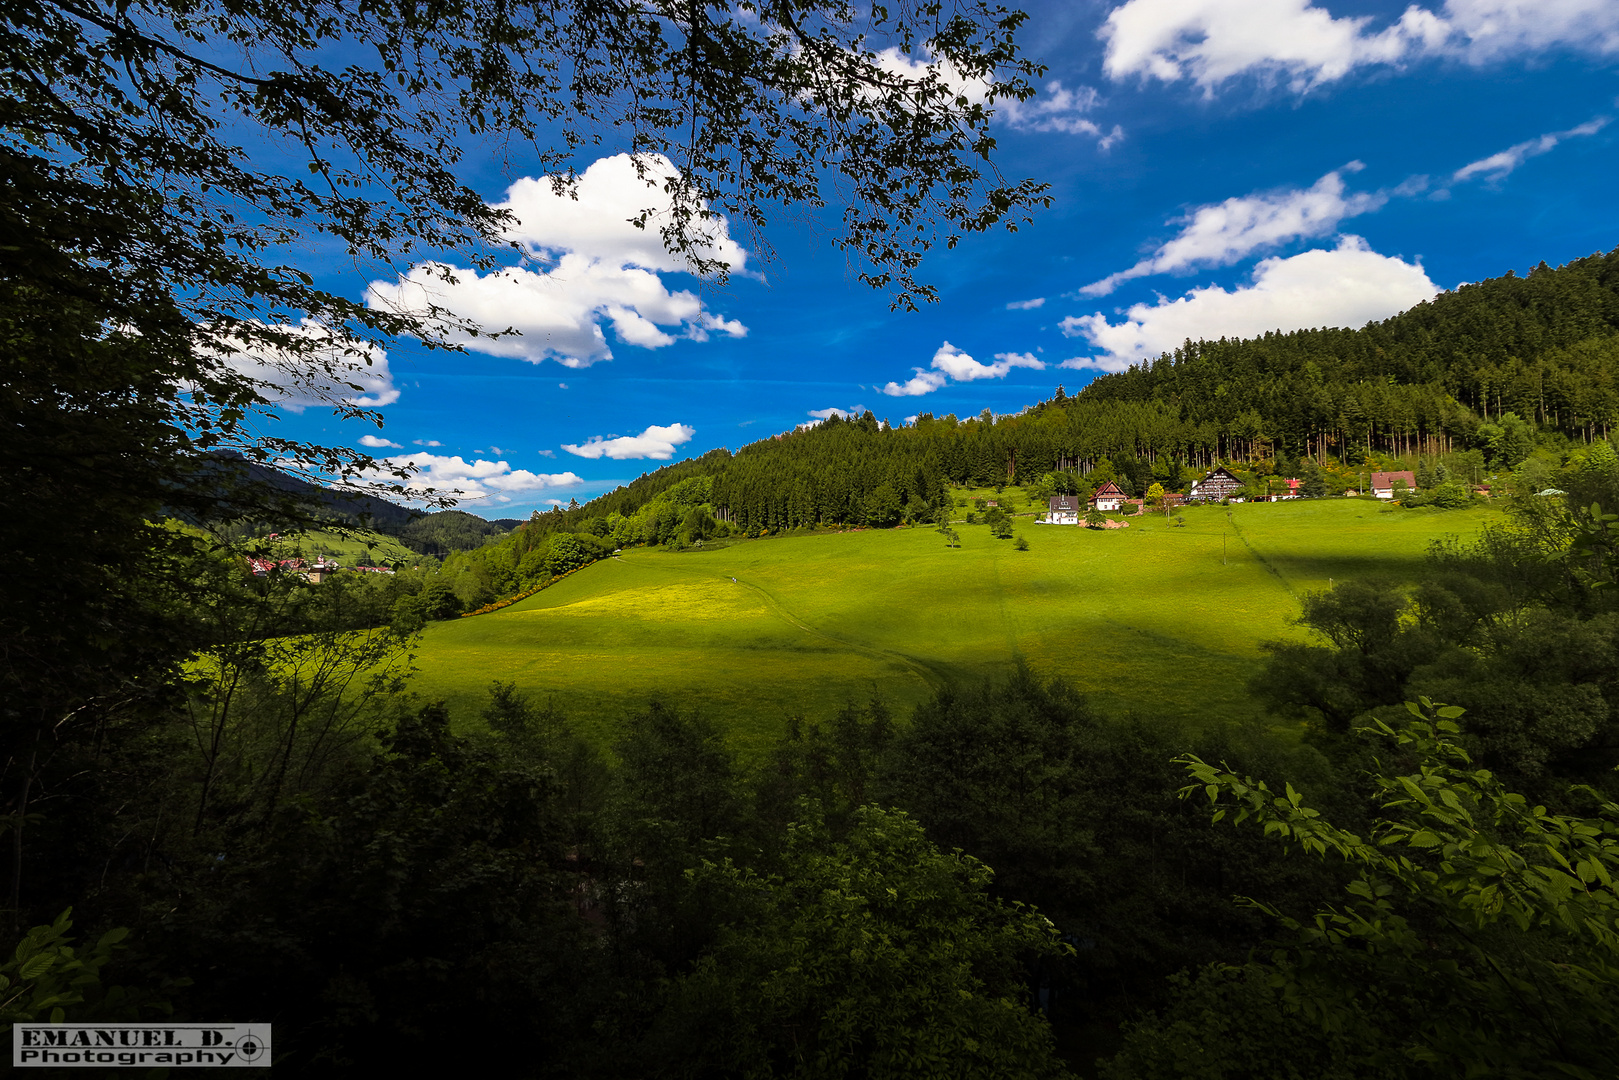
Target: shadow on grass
(1396, 566)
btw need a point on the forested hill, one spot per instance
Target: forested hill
(1541, 346)
(1508, 354)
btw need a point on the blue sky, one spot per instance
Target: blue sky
(1219, 167)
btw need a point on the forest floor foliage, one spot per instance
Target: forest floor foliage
(1165, 617)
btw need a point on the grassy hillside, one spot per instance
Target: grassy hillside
(1153, 617)
(362, 545)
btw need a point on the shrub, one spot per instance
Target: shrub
(1450, 496)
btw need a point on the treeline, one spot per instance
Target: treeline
(1545, 347)
(448, 531)
(1490, 367)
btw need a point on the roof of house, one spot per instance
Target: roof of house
(1386, 479)
(1063, 502)
(1109, 490)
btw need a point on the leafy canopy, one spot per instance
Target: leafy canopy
(1480, 935)
(155, 121)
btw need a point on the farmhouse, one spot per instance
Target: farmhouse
(1383, 483)
(1108, 497)
(1288, 490)
(1218, 484)
(1063, 510)
(322, 570)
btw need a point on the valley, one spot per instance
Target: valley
(1159, 618)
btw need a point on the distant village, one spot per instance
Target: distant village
(319, 569)
(1219, 485)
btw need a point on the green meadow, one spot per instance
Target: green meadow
(1157, 618)
(360, 545)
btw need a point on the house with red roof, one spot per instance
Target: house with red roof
(1383, 483)
(1108, 498)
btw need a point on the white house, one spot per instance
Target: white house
(1108, 498)
(1218, 484)
(1064, 510)
(1383, 483)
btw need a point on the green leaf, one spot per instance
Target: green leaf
(36, 966)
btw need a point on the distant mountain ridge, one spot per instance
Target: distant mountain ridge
(347, 507)
(437, 533)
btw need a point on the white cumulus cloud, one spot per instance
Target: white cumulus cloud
(1210, 41)
(1487, 29)
(1026, 305)
(821, 416)
(963, 368)
(377, 442)
(1346, 286)
(318, 367)
(559, 314)
(1497, 166)
(924, 382)
(478, 479)
(1057, 108)
(950, 362)
(1054, 106)
(603, 273)
(597, 218)
(1222, 233)
(655, 442)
